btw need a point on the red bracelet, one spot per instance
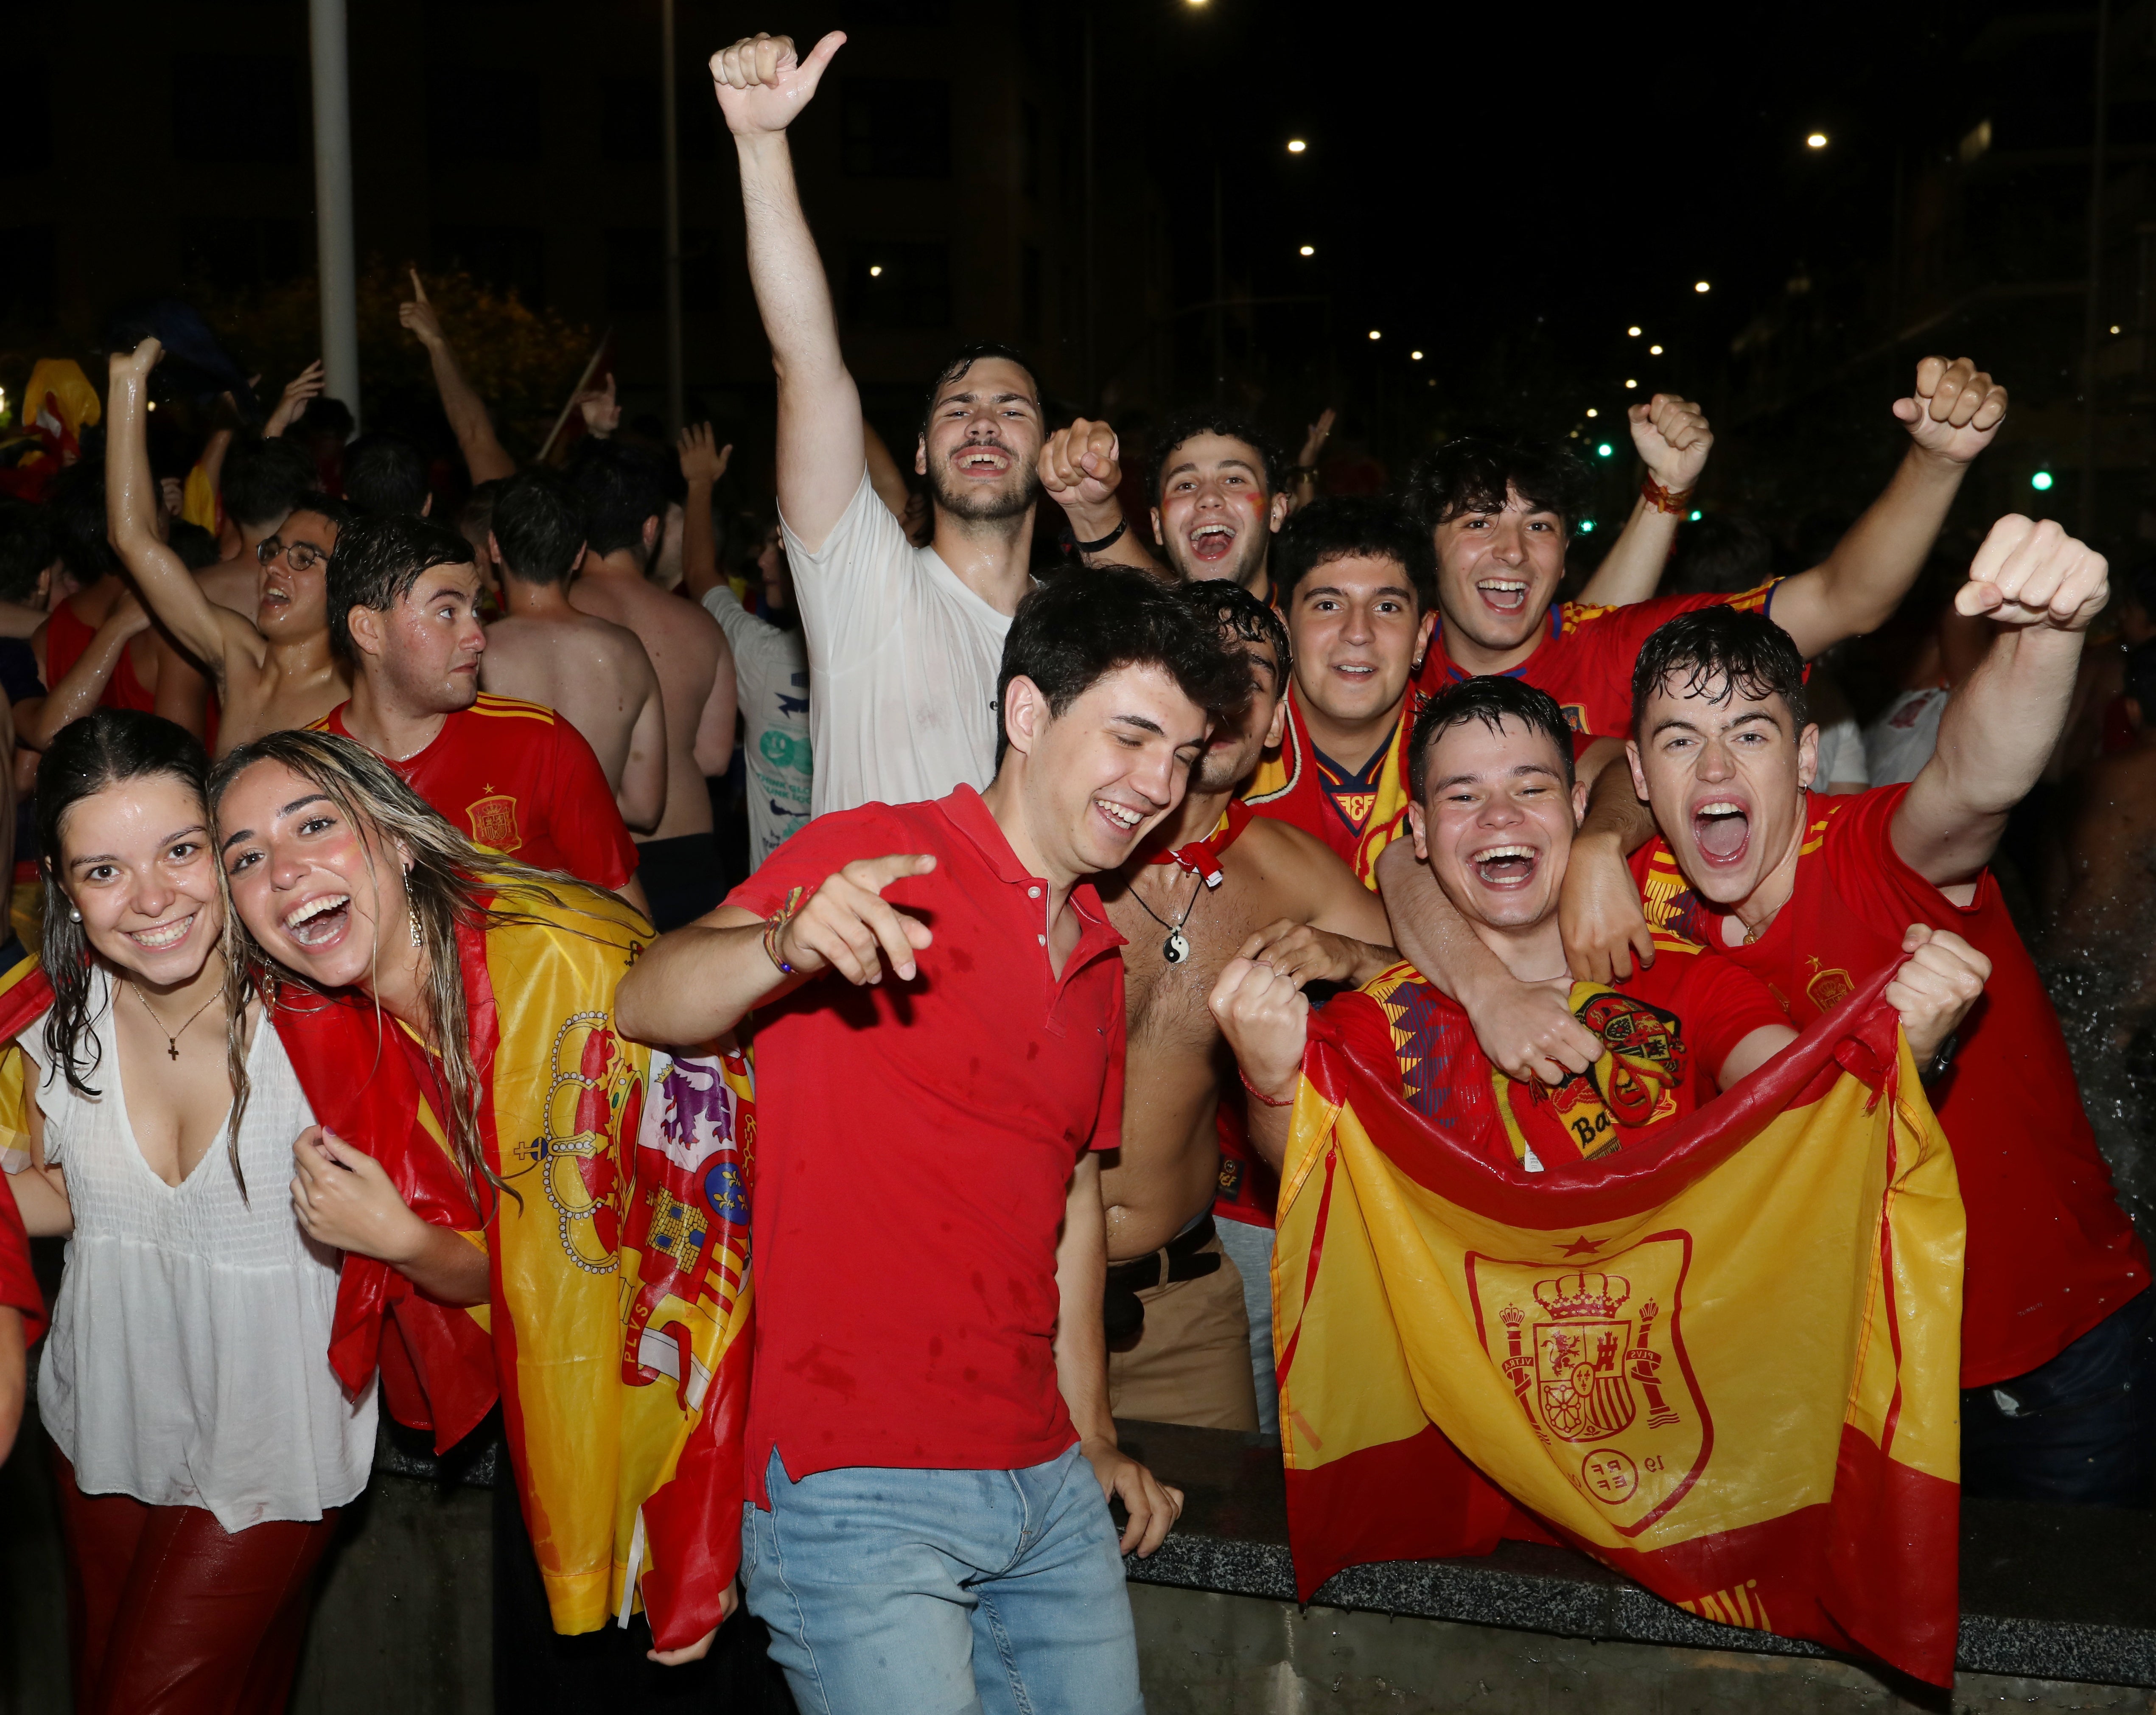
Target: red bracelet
(1268, 1100)
(1665, 499)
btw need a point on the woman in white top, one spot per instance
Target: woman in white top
(201, 1442)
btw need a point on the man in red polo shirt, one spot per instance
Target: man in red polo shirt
(1814, 895)
(928, 1443)
(514, 775)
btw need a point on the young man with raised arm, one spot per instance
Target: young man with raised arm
(1213, 881)
(622, 491)
(1218, 498)
(904, 643)
(275, 672)
(1813, 894)
(1500, 514)
(591, 672)
(514, 775)
(1496, 805)
(939, 1046)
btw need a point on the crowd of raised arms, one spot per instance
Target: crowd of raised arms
(360, 846)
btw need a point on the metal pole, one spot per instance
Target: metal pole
(668, 120)
(336, 261)
(2092, 318)
(1092, 250)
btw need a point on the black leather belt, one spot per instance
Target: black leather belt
(1184, 1258)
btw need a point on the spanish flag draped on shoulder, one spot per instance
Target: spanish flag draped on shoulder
(1726, 1364)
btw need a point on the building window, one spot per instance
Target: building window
(896, 127)
(235, 107)
(479, 113)
(899, 285)
(503, 258)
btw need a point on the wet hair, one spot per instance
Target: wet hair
(1723, 554)
(1241, 616)
(195, 546)
(106, 748)
(475, 517)
(1357, 526)
(964, 358)
(28, 546)
(376, 561)
(449, 878)
(539, 523)
(1478, 472)
(385, 476)
(1490, 699)
(322, 506)
(1082, 625)
(1203, 419)
(325, 416)
(77, 504)
(620, 487)
(264, 480)
(1741, 651)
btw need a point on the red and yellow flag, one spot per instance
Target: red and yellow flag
(1726, 1365)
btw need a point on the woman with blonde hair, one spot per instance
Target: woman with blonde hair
(463, 1002)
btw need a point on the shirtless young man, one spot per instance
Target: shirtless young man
(589, 671)
(273, 674)
(1812, 893)
(1211, 883)
(623, 495)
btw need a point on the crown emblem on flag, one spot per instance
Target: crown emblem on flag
(1573, 1296)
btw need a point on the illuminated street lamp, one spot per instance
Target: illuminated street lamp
(1817, 140)
(1295, 146)
(1308, 250)
(1701, 285)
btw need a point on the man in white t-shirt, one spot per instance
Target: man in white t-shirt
(904, 643)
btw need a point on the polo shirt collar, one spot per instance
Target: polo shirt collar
(968, 812)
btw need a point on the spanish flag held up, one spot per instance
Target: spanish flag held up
(1726, 1365)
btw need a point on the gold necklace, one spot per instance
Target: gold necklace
(172, 1037)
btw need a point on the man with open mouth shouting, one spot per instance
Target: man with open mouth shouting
(903, 642)
(1814, 894)
(1496, 806)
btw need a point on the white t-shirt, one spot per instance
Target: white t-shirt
(189, 1360)
(771, 667)
(902, 665)
(1902, 740)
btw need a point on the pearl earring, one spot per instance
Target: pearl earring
(73, 916)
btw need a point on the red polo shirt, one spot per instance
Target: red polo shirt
(2050, 1253)
(915, 1147)
(518, 777)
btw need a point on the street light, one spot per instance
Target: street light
(875, 271)
(1592, 411)
(1701, 285)
(1415, 356)
(1654, 350)
(1308, 250)
(1295, 146)
(1630, 385)
(1817, 140)
(1632, 333)
(1375, 335)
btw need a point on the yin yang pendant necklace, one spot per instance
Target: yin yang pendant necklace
(1177, 947)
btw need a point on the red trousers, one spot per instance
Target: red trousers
(170, 1613)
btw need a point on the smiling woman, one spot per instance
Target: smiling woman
(188, 1286)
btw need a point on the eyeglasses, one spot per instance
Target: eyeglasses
(300, 556)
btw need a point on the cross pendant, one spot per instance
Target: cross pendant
(172, 1047)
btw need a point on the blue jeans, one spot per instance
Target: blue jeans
(1252, 1249)
(2080, 1428)
(895, 1592)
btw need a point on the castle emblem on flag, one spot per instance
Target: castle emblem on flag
(1596, 1359)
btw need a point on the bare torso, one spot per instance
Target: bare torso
(1169, 1166)
(589, 671)
(687, 649)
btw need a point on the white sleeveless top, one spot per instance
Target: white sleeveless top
(189, 1360)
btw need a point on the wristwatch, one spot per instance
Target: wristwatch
(1940, 1064)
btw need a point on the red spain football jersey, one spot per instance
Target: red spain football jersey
(2050, 1253)
(1587, 653)
(518, 777)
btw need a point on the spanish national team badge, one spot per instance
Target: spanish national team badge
(494, 822)
(1597, 1361)
(1828, 988)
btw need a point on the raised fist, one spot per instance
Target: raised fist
(1673, 440)
(763, 85)
(1266, 1020)
(2028, 574)
(1080, 465)
(1956, 409)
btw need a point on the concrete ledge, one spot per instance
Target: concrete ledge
(2050, 1593)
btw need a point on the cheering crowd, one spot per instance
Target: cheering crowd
(378, 914)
